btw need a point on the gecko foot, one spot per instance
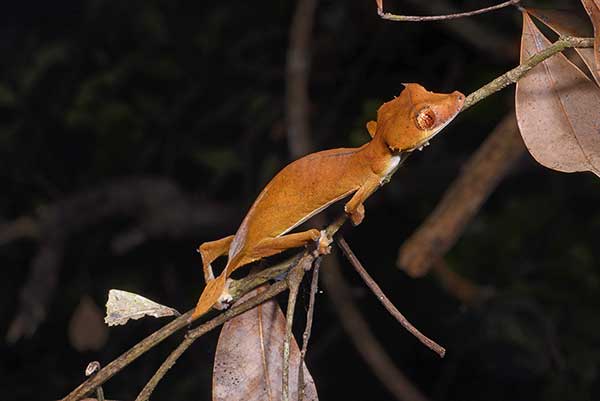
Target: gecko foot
(323, 244)
(225, 299)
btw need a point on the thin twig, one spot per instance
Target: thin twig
(416, 18)
(91, 369)
(385, 301)
(294, 279)
(368, 346)
(482, 37)
(314, 286)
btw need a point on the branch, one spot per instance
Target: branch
(22, 227)
(157, 337)
(518, 72)
(237, 289)
(432, 345)
(158, 202)
(297, 69)
(415, 18)
(464, 290)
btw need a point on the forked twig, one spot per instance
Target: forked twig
(417, 18)
(435, 347)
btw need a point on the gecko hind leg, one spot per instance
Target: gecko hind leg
(273, 246)
(212, 250)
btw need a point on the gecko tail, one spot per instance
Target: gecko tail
(210, 296)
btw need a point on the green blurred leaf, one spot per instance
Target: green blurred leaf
(221, 160)
(7, 97)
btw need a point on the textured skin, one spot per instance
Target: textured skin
(310, 184)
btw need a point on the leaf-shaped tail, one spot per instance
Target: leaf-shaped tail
(211, 294)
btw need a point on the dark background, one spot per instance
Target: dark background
(181, 103)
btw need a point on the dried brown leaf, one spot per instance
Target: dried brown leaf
(592, 7)
(122, 306)
(248, 361)
(87, 332)
(557, 109)
(569, 23)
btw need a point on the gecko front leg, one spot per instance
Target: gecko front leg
(355, 208)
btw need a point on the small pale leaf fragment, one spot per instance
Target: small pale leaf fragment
(122, 306)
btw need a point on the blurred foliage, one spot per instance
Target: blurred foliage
(194, 91)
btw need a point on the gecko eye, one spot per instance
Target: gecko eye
(425, 119)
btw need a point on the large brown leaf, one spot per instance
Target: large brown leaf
(558, 109)
(593, 9)
(248, 361)
(569, 23)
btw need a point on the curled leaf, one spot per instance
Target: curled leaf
(593, 9)
(569, 23)
(557, 109)
(122, 306)
(248, 361)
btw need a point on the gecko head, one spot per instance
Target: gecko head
(409, 121)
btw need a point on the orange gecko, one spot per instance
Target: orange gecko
(314, 182)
